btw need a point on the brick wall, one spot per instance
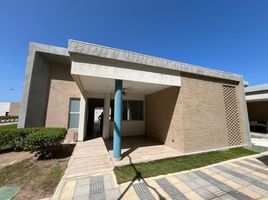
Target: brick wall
(191, 118)
(62, 88)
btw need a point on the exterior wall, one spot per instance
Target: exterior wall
(14, 109)
(62, 88)
(191, 118)
(129, 128)
(258, 111)
(4, 108)
(34, 110)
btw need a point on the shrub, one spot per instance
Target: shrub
(12, 138)
(44, 142)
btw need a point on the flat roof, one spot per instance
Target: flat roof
(256, 88)
(88, 49)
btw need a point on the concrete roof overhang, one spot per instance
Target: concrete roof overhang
(257, 93)
(82, 51)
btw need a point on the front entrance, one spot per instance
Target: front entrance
(95, 118)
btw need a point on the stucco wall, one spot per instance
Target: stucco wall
(62, 88)
(191, 118)
(258, 111)
(38, 91)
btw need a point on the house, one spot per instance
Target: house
(257, 104)
(9, 108)
(189, 108)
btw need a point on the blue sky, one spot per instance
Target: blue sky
(221, 34)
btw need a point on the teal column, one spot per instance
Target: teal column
(118, 104)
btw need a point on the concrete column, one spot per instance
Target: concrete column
(82, 118)
(117, 120)
(106, 116)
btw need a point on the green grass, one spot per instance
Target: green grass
(177, 164)
(36, 178)
(9, 126)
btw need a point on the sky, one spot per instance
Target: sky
(228, 35)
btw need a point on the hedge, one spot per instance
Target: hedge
(41, 141)
(8, 117)
(45, 141)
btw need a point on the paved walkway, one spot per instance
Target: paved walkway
(242, 179)
(89, 159)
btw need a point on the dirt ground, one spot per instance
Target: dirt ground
(37, 179)
(10, 158)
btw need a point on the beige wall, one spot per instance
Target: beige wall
(62, 88)
(191, 118)
(14, 109)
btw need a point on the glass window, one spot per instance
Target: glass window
(132, 110)
(74, 113)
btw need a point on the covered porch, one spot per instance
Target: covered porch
(122, 87)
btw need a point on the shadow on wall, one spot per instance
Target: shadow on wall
(159, 113)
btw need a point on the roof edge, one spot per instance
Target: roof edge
(257, 88)
(84, 48)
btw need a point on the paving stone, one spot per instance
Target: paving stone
(227, 197)
(84, 181)
(262, 171)
(108, 182)
(170, 189)
(81, 190)
(256, 162)
(96, 185)
(245, 178)
(82, 197)
(97, 196)
(143, 191)
(205, 193)
(215, 190)
(112, 194)
(231, 191)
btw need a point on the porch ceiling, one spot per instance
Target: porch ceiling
(97, 85)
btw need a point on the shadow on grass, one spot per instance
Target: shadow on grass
(138, 177)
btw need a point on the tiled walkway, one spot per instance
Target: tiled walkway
(242, 179)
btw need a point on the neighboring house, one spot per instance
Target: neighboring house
(186, 107)
(9, 108)
(257, 103)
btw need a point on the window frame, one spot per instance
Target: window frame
(73, 113)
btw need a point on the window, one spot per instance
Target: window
(132, 110)
(74, 113)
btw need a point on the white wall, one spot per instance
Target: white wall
(4, 107)
(130, 128)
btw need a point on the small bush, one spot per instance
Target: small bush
(44, 142)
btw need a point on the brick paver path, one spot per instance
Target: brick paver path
(242, 179)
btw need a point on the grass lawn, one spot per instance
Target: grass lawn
(177, 164)
(36, 178)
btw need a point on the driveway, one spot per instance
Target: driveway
(244, 178)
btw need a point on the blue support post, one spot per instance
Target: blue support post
(118, 104)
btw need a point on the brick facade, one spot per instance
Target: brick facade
(62, 88)
(191, 118)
